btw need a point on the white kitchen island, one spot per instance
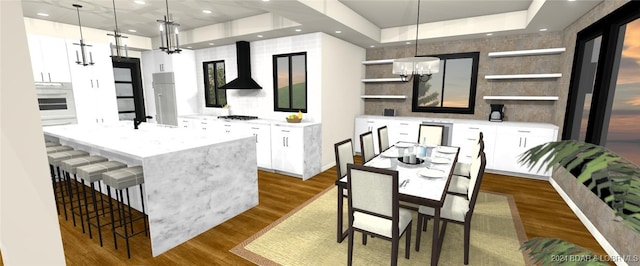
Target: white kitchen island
(193, 180)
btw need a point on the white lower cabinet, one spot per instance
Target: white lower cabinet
(402, 131)
(262, 133)
(511, 142)
(187, 122)
(466, 136)
(287, 149)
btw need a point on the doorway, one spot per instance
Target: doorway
(129, 91)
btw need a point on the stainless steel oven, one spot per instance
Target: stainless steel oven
(56, 103)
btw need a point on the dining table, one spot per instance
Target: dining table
(424, 174)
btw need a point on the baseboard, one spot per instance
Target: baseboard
(592, 229)
(328, 166)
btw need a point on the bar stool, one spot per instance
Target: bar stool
(92, 173)
(55, 159)
(69, 166)
(51, 147)
(123, 179)
(48, 144)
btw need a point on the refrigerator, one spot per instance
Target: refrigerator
(165, 97)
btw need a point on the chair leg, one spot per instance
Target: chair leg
(467, 232)
(350, 247)
(364, 239)
(394, 251)
(407, 243)
(418, 231)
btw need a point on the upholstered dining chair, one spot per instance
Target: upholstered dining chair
(374, 208)
(456, 209)
(366, 146)
(430, 135)
(344, 156)
(383, 138)
(460, 180)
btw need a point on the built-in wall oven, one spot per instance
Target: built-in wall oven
(56, 103)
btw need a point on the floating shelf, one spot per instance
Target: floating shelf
(378, 62)
(383, 80)
(528, 52)
(525, 76)
(383, 97)
(522, 98)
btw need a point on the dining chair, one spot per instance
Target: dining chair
(344, 156)
(430, 135)
(459, 183)
(383, 138)
(366, 147)
(456, 209)
(374, 208)
(462, 169)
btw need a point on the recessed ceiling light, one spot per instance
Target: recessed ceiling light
(206, 11)
(338, 31)
(298, 30)
(189, 47)
(139, 2)
(407, 42)
(489, 34)
(259, 36)
(265, 0)
(210, 43)
(43, 14)
(572, 0)
(543, 29)
(372, 46)
(132, 30)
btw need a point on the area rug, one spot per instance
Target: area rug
(307, 236)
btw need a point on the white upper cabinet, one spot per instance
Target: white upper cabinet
(163, 62)
(49, 59)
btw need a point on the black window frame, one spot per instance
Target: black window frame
(475, 56)
(205, 74)
(275, 83)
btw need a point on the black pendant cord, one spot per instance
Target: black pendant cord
(167, 4)
(79, 24)
(115, 17)
(417, 23)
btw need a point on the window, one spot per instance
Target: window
(213, 79)
(452, 90)
(290, 82)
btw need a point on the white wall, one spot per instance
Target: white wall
(342, 70)
(29, 229)
(260, 102)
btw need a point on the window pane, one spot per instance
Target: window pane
(214, 78)
(121, 74)
(124, 89)
(622, 134)
(126, 104)
(220, 80)
(457, 82)
(127, 116)
(429, 90)
(299, 82)
(283, 82)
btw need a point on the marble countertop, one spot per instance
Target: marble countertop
(254, 121)
(149, 140)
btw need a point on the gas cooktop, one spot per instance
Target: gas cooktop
(238, 117)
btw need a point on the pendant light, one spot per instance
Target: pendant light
(418, 65)
(169, 34)
(83, 50)
(118, 37)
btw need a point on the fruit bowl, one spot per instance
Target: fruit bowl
(293, 120)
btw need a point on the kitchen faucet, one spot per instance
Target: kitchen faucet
(137, 122)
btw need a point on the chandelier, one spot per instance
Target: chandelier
(419, 66)
(82, 45)
(118, 37)
(169, 34)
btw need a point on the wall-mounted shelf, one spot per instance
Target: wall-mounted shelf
(377, 62)
(383, 97)
(522, 98)
(525, 76)
(383, 80)
(528, 52)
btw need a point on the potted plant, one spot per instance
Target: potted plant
(618, 184)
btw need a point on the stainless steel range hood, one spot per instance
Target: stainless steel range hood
(244, 80)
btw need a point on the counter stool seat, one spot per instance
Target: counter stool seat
(51, 144)
(71, 165)
(58, 148)
(93, 173)
(55, 155)
(122, 180)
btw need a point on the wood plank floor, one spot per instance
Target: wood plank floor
(542, 210)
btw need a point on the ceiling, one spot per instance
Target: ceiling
(365, 23)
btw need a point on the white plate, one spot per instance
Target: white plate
(439, 160)
(442, 149)
(390, 153)
(404, 144)
(431, 173)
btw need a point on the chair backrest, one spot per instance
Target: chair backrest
(476, 172)
(430, 135)
(383, 138)
(366, 146)
(344, 156)
(373, 191)
(478, 147)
